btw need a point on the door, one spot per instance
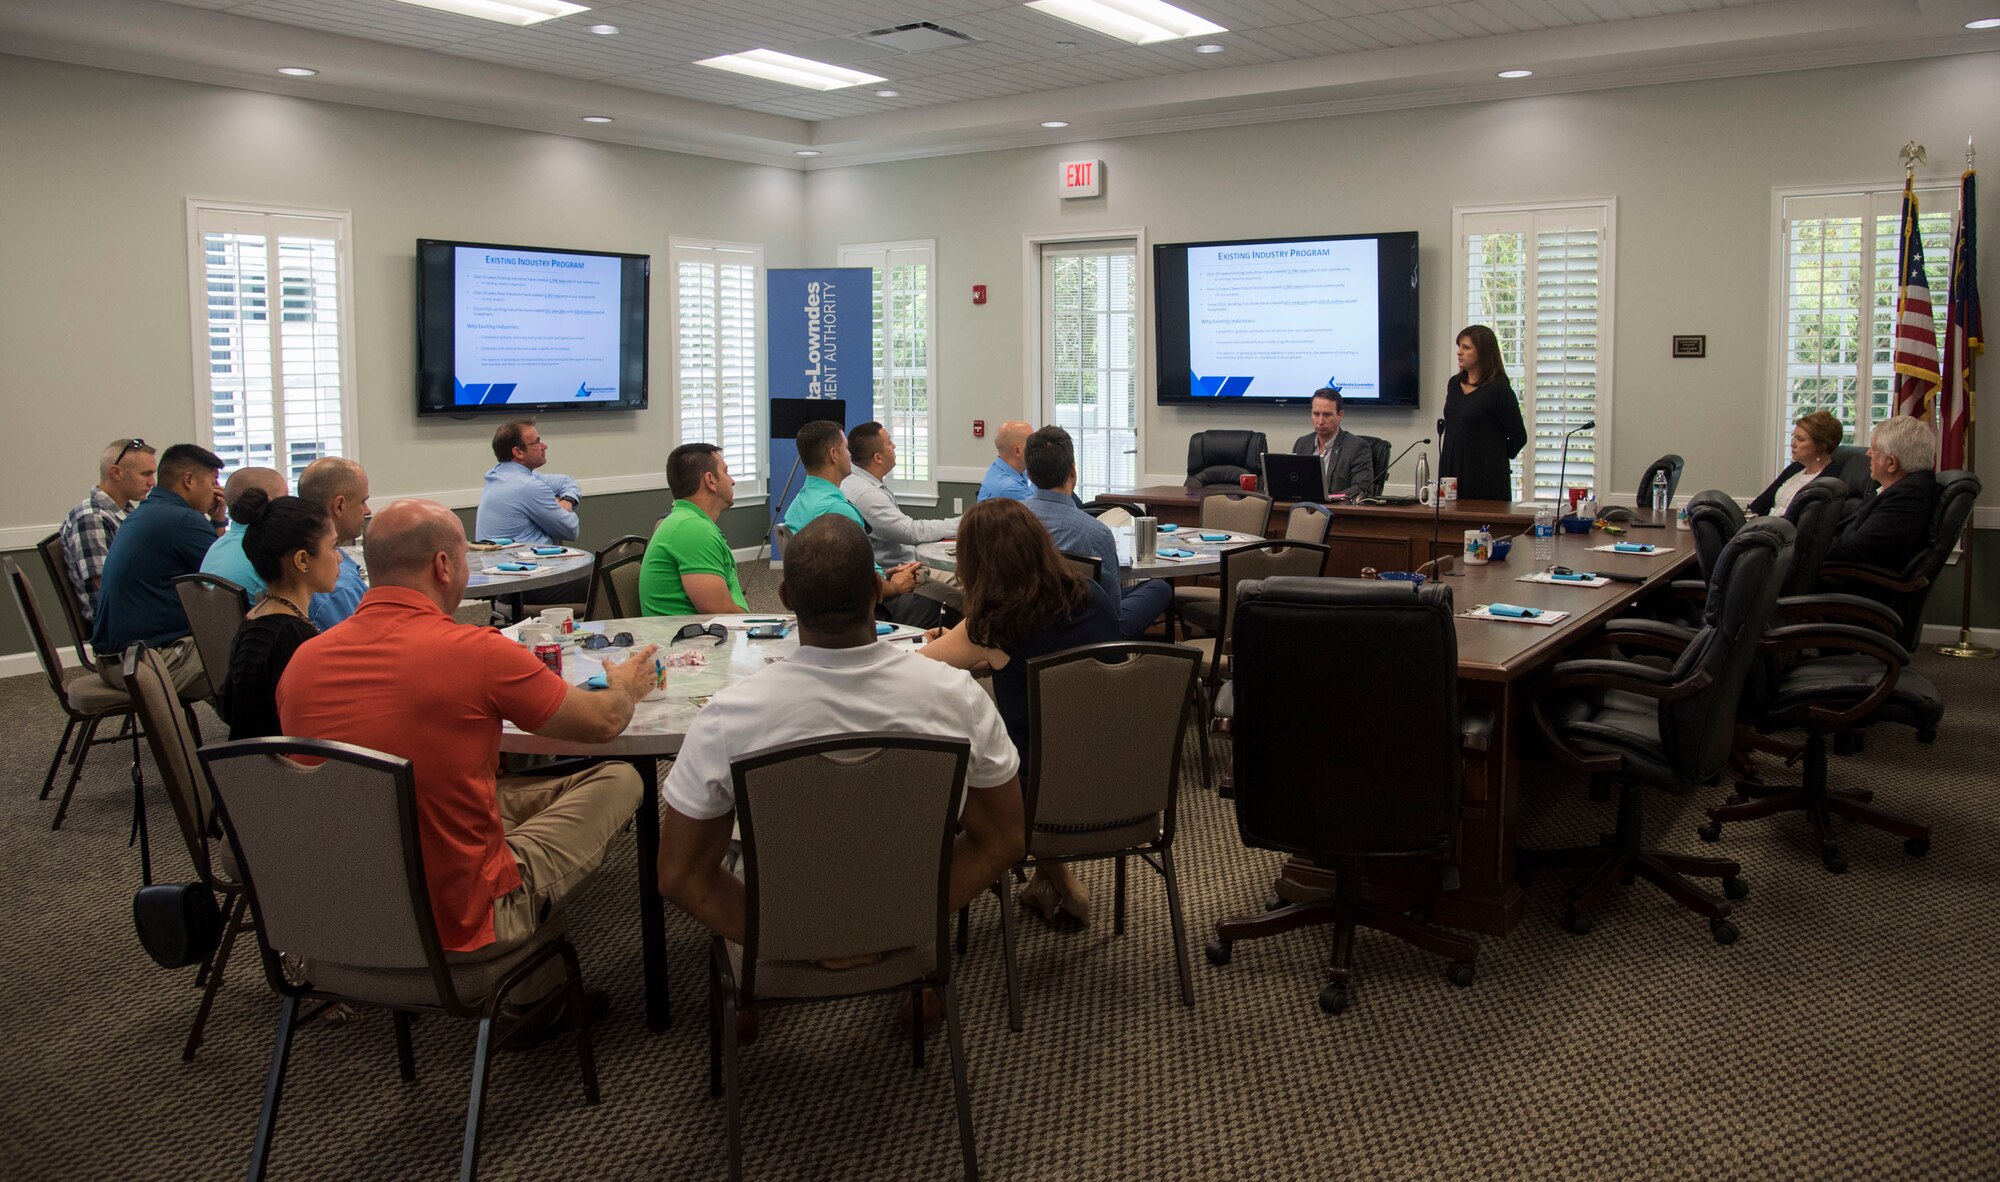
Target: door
(1089, 357)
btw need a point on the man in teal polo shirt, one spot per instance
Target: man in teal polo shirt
(688, 569)
(823, 454)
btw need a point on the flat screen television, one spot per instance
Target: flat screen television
(522, 330)
(1266, 321)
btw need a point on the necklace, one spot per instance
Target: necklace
(273, 595)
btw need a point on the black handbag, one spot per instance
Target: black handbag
(179, 924)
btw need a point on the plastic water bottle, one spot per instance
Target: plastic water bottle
(1545, 534)
(1660, 495)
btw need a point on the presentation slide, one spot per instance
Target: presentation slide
(535, 327)
(1282, 319)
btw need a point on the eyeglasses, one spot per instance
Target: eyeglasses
(597, 640)
(126, 450)
(697, 631)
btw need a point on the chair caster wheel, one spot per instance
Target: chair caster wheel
(1459, 973)
(1835, 863)
(1274, 901)
(1917, 847)
(1735, 888)
(1710, 832)
(1723, 931)
(1576, 923)
(1217, 952)
(1333, 998)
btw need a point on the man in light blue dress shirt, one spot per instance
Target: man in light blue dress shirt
(1008, 475)
(1051, 459)
(225, 559)
(521, 502)
(341, 486)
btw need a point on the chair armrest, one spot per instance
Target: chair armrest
(1845, 638)
(1693, 590)
(1657, 635)
(1832, 605)
(1872, 575)
(1644, 680)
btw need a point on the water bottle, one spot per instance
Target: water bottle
(1660, 495)
(1423, 478)
(1545, 534)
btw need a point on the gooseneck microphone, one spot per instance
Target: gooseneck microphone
(1384, 474)
(1562, 472)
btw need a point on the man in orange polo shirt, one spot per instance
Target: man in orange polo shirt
(401, 677)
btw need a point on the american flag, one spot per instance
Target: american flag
(1916, 351)
(1963, 338)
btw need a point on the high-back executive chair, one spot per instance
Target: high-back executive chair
(1670, 464)
(1905, 591)
(1224, 457)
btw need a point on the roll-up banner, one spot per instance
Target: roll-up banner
(820, 345)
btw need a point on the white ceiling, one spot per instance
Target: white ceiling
(1282, 59)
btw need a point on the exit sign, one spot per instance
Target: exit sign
(1082, 178)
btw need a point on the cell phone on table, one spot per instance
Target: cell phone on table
(770, 631)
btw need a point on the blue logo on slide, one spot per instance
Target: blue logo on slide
(1218, 387)
(582, 390)
(481, 393)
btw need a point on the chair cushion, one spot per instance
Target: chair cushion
(89, 695)
(1055, 843)
(1844, 680)
(1205, 614)
(474, 980)
(801, 978)
(1616, 723)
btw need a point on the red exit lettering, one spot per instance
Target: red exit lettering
(1079, 175)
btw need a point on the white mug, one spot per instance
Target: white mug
(559, 620)
(1476, 543)
(534, 634)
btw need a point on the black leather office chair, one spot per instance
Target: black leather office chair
(1224, 457)
(1905, 591)
(1849, 465)
(1378, 450)
(1815, 512)
(1670, 464)
(1713, 519)
(1638, 726)
(1390, 802)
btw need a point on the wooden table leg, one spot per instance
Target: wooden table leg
(652, 908)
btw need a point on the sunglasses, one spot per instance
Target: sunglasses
(697, 631)
(127, 449)
(597, 640)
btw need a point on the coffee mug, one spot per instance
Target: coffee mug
(1448, 488)
(659, 686)
(559, 620)
(1681, 518)
(1248, 481)
(1476, 542)
(534, 634)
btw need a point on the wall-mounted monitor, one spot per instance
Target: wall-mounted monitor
(1266, 321)
(522, 330)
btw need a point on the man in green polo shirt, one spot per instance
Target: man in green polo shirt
(823, 454)
(688, 569)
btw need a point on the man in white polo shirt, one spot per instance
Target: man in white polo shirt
(841, 680)
(893, 534)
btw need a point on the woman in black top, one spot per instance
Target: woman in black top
(1482, 421)
(1022, 601)
(290, 544)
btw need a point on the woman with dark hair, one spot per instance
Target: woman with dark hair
(290, 544)
(1813, 439)
(1482, 421)
(1022, 600)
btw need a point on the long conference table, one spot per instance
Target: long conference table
(1496, 661)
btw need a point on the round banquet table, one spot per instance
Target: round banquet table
(489, 582)
(1207, 558)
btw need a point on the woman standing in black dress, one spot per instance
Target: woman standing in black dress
(1482, 421)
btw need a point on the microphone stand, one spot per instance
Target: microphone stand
(1562, 473)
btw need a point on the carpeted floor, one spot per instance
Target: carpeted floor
(1851, 1033)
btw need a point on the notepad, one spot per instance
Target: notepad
(1542, 576)
(1544, 615)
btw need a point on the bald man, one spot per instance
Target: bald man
(1008, 477)
(225, 559)
(502, 855)
(341, 486)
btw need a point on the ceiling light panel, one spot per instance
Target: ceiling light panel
(1136, 22)
(519, 13)
(772, 66)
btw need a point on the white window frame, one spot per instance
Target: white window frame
(1932, 196)
(749, 492)
(1607, 298)
(875, 255)
(204, 420)
(1032, 298)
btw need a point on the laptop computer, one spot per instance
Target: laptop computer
(1293, 478)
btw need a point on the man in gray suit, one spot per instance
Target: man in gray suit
(1346, 465)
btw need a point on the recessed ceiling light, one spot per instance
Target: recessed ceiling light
(602, 30)
(1208, 48)
(297, 71)
(888, 94)
(1990, 22)
(1055, 123)
(519, 13)
(1517, 73)
(597, 119)
(792, 71)
(1138, 22)
(806, 152)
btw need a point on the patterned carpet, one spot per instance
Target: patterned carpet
(1851, 1033)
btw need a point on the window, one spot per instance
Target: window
(1837, 267)
(1540, 277)
(716, 351)
(905, 372)
(1090, 356)
(273, 334)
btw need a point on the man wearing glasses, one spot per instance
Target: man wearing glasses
(125, 475)
(166, 536)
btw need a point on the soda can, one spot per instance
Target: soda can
(549, 653)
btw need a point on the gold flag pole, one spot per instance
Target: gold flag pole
(1966, 647)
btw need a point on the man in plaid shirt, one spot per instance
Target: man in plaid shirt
(124, 476)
